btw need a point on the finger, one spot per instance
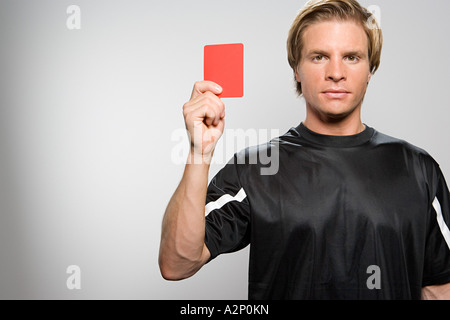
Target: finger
(207, 100)
(217, 112)
(214, 101)
(208, 97)
(201, 87)
(211, 116)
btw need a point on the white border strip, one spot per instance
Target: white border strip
(223, 200)
(440, 219)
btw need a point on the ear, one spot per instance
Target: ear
(297, 77)
(369, 77)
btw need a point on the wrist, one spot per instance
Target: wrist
(199, 158)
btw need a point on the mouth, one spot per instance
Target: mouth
(336, 93)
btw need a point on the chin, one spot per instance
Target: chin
(337, 117)
(337, 114)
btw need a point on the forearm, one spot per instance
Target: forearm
(182, 250)
(439, 292)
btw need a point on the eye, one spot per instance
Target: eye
(352, 58)
(318, 58)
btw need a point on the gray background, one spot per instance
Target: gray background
(87, 119)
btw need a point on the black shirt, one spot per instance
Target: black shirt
(354, 217)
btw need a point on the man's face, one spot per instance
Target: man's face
(334, 70)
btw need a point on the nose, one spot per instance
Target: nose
(335, 70)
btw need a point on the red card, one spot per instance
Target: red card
(224, 65)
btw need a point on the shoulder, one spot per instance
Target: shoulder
(411, 153)
(262, 153)
(381, 139)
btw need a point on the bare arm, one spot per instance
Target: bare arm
(182, 250)
(440, 292)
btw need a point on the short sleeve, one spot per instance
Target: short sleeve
(227, 212)
(437, 255)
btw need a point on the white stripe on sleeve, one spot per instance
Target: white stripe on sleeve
(440, 219)
(223, 200)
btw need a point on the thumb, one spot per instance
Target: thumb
(201, 87)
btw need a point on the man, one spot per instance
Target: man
(350, 214)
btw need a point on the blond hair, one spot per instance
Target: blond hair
(324, 10)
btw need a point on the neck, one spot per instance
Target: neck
(345, 126)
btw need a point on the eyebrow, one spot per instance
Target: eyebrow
(348, 53)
